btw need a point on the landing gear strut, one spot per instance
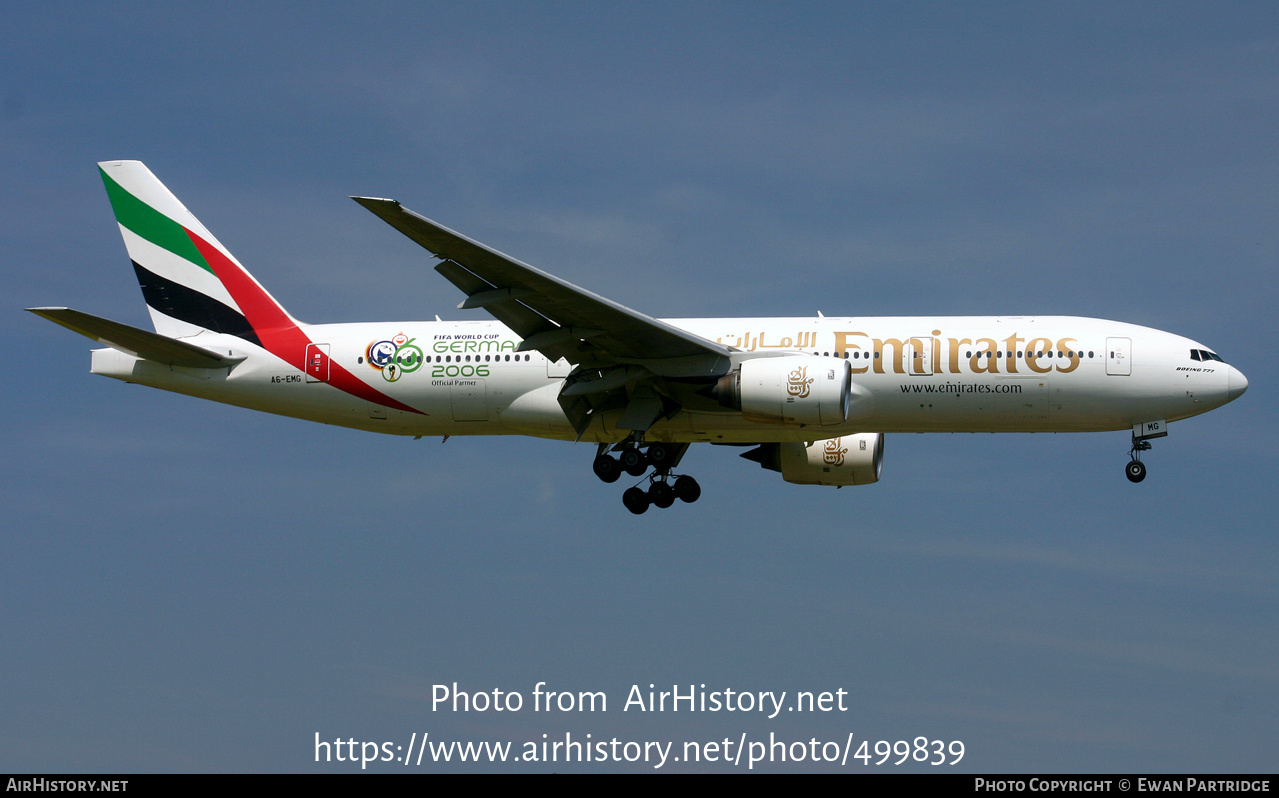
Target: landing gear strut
(662, 491)
(1136, 470)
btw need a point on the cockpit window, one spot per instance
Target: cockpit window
(1204, 355)
(1194, 354)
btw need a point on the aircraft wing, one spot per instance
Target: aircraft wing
(553, 316)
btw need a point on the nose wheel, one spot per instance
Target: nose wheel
(1136, 470)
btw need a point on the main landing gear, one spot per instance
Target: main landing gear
(662, 457)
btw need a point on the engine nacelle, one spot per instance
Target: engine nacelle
(847, 460)
(796, 389)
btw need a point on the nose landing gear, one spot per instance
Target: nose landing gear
(1141, 435)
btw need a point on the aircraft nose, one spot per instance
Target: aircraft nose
(1237, 384)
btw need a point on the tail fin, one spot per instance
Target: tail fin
(189, 280)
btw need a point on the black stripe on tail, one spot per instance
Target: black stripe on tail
(186, 304)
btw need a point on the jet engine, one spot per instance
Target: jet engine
(847, 460)
(796, 389)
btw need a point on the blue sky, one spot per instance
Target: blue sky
(191, 587)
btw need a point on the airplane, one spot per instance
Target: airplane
(811, 398)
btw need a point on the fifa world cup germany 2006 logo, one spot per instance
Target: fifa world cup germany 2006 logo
(394, 357)
(798, 382)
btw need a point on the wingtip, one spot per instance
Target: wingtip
(364, 200)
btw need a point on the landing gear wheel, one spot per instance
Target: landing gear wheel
(607, 468)
(635, 500)
(660, 455)
(634, 462)
(661, 494)
(687, 489)
(1136, 471)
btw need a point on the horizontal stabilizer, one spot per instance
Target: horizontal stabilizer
(136, 342)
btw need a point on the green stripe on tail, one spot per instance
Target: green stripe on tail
(150, 224)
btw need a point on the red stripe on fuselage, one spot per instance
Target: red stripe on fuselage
(277, 332)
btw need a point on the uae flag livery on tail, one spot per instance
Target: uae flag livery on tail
(192, 283)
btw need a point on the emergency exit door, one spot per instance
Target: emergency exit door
(1119, 356)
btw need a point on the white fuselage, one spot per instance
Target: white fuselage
(909, 374)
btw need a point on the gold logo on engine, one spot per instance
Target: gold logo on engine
(832, 453)
(798, 382)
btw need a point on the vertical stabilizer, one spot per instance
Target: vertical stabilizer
(189, 280)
